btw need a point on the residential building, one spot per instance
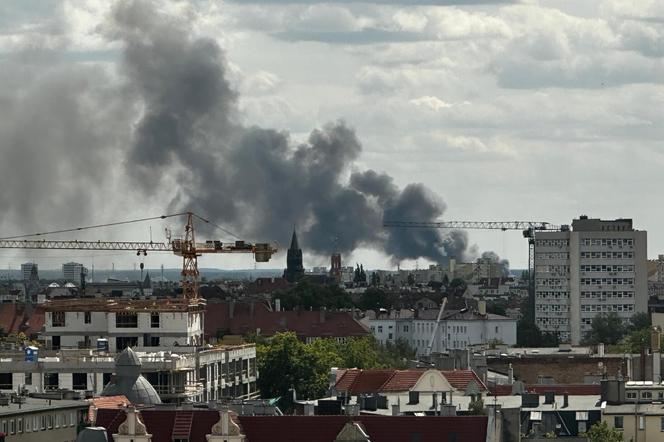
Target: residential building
(596, 267)
(635, 408)
(27, 419)
(136, 323)
(72, 271)
(27, 269)
(456, 330)
(177, 374)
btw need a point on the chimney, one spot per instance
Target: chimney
(231, 309)
(277, 305)
(655, 342)
(309, 409)
(395, 410)
(566, 400)
(353, 409)
(510, 374)
(481, 307)
(600, 350)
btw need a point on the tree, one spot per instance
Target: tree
(375, 279)
(373, 299)
(606, 328)
(311, 296)
(601, 432)
(411, 279)
(446, 280)
(457, 287)
(636, 340)
(639, 321)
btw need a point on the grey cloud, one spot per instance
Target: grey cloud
(386, 2)
(364, 36)
(252, 179)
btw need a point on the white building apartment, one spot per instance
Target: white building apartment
(78, 323)
(596, 267)
(456, 330)
(26, 270)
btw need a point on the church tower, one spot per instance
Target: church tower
(294, 268)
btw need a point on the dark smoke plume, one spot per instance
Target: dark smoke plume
(177, 113)
(251, 178)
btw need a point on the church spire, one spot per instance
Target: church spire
(293, 244)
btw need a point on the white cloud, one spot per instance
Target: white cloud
(430, 102)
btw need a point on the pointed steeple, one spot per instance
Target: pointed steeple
(293, 243)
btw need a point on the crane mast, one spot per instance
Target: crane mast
(186, 247)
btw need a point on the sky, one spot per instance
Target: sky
(457, 110)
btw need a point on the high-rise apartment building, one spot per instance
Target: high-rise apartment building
(71, 271)
(26, 270)
(596, 267)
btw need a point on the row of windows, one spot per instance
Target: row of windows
(38, 422)
(609, 294)
(552, 282)
(552, 242)
(607, 281)
(560, 269)
(619, 422)
(552, 295)
(608, 255)
(553, 321)
(551, 308)
(552, 255)
(122, 319)
(607, 268)
(602, 308)
(608, 241)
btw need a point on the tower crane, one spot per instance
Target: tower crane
(527, 227)
(186, 247)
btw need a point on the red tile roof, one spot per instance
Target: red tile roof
(402, 380)
(103, 402)
(16, 318)
(460, 379)
(309, 428)
(356, 381)
(247, 319)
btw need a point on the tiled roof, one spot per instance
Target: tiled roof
(460, 379)
(247, 319)
(16, 318)
(402, 380)
(159, 423)
(112, 402)
(379, 428)
(358, 381)
(363, 381)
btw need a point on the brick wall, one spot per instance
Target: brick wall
(563, 369)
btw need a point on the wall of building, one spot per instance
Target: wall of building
(56, 425)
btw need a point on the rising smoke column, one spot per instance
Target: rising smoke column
(254, 179)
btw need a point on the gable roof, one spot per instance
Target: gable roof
(357, 381)
(247, 319)
(103, 402)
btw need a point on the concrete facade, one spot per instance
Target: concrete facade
(597, 267)
(37, 420)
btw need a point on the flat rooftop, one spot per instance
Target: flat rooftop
(33, 405)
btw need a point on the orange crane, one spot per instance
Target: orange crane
(186, 247)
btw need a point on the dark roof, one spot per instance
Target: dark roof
(363, 381)
(379, 428)
(307, 428)
(247, 319)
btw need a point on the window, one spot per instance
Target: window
(646, 394)
(51, 381)
(154, 319)
(6, 381)
(380, 329)
(154, 341)
(58, 319)
(618, 422)
(126, 320)
(28, 379)
(80, 381)
(4, 427)
(12, 426)
(631, 395)
(28, 424)
(661, 424)
(642, 422)
(389, 336)
(88, 317)
(122, 342)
